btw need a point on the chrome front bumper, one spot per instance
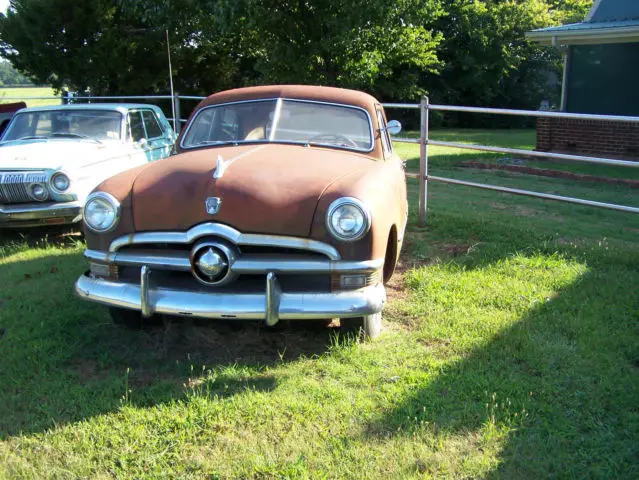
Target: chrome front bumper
(39, 214)
(272, 305)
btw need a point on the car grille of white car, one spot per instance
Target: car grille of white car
(14, 186)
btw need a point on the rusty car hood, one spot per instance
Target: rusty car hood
(265, 188)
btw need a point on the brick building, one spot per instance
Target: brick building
(601, 76)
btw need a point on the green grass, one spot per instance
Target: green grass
(23, 94)
(510, 351)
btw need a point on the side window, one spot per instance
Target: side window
(136, 127)
(153, 129)
(387, 145)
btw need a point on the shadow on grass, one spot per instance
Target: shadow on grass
(560, 386)
(64, 361)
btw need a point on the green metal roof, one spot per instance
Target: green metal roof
(614, 11)
(609, 21)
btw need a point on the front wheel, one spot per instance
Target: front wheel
(369, 325)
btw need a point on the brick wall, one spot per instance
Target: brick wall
(588, 137)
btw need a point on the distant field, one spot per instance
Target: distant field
(23, 94)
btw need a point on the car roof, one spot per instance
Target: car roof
(302, 92)
(118, 107)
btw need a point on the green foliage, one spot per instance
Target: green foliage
(10, 76)
(378, 46)
(78, 44)
(488, 62)
(458, 51)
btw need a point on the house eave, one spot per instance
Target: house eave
(585, 36)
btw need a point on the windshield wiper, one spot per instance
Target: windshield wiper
(216, 142)
(32, 137)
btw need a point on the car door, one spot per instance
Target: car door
(147, 134)
(396, 167)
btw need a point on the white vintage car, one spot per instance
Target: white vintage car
(52, 157)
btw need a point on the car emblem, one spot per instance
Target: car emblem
(213, 205)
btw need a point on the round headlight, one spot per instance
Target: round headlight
(348, 219)
(38, 192)
(60, 181)
(101, 212)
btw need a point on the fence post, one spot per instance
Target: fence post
(423, 162)
(177, 125)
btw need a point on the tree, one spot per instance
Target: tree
(471, 52)
(374, 45)
(10, 76)
(487, 60)
(109, 47)
(80, 45)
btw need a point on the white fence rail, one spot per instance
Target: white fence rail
(425, 141)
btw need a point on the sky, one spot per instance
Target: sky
(3, 5)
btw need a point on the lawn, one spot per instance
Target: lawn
(510, 351)
(24, 93)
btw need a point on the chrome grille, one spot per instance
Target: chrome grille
(14, 186)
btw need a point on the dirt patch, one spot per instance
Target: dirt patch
(498, 206)
(546, 172)
(220, 342)
(526, 212)
(448, 249)
(396, 287)
(88, 371)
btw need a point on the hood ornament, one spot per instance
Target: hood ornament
(221, 167)
(213, 205)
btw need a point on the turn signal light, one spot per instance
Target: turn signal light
(353, 281)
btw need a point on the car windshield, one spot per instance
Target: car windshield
(287, 121)
(93, 124)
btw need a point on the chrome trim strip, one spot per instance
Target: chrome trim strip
(257, 240)
(273, 299)
(246, 264)
(276, 119)
(234, 306)
(145, 304)
(71, 211)
(163, 261)
(255, 264)
(228, 233)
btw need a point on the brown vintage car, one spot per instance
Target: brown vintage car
(283, 202)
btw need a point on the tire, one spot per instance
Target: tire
(369, 326)
(131, 318)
